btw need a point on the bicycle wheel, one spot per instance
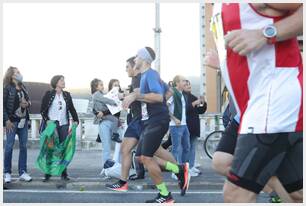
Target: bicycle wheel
(211, 142)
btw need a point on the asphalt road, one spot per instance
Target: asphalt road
(86, 186)
(107, 196)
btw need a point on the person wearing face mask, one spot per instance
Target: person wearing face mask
(16, 105)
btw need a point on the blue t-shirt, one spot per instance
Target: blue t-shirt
(151, 83)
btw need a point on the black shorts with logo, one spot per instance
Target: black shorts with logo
(151, 137)
(258, 157)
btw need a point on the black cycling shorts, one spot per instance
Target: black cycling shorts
(228, 140)
(151, 137)
(258, 157)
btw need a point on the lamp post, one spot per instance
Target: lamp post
(157, 31)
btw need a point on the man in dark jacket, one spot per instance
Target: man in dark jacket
(194, 107)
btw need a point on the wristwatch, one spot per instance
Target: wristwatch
(270, 33)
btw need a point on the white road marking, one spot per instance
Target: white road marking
(104, 192)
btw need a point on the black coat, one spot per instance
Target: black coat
(192, 117)
(11, 103)
(47, 102)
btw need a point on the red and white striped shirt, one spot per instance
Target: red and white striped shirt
(267, 84)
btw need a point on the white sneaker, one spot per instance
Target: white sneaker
(7, 178)
(194, 169)
(193, 173)
(174, 176)
(25, 177)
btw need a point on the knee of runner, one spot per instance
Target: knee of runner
(125, 150)
(297, 196)
(226, 194)
(229, 192)
(145, 159)
(139, 159)
(218, 165)
(215, 164)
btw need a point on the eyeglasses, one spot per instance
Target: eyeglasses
(60, 105)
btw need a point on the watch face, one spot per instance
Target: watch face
(270, 31)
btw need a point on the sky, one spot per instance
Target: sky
(83, 41)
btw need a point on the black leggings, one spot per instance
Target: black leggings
(167, 143)
(62, 131)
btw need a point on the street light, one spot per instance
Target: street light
(202, 49)
(157, 31)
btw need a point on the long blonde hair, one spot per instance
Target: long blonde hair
(8, 76)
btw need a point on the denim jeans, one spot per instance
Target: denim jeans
(10, 140)
(105, 132)
(180, 138)
(192, 154)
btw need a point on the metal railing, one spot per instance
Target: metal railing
(87, 131)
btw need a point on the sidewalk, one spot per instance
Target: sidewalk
(86, 167)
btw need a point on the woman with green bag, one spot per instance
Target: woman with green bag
(56, 106)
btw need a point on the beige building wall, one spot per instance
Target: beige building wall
(211, 74)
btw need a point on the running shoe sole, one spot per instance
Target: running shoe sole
(170, 201)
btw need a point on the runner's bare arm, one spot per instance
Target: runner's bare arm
(245, 41)
(291, 26)
(136, 96)
(149, 98)
(211, 60)
(284, 6)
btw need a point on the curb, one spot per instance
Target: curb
(98, 185)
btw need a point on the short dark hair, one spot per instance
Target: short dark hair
(151, 52)
(131, 61)
(55, 79)
(94, 84)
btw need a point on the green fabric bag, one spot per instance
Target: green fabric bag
(54, 156)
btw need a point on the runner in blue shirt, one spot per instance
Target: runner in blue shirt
(155, 118)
